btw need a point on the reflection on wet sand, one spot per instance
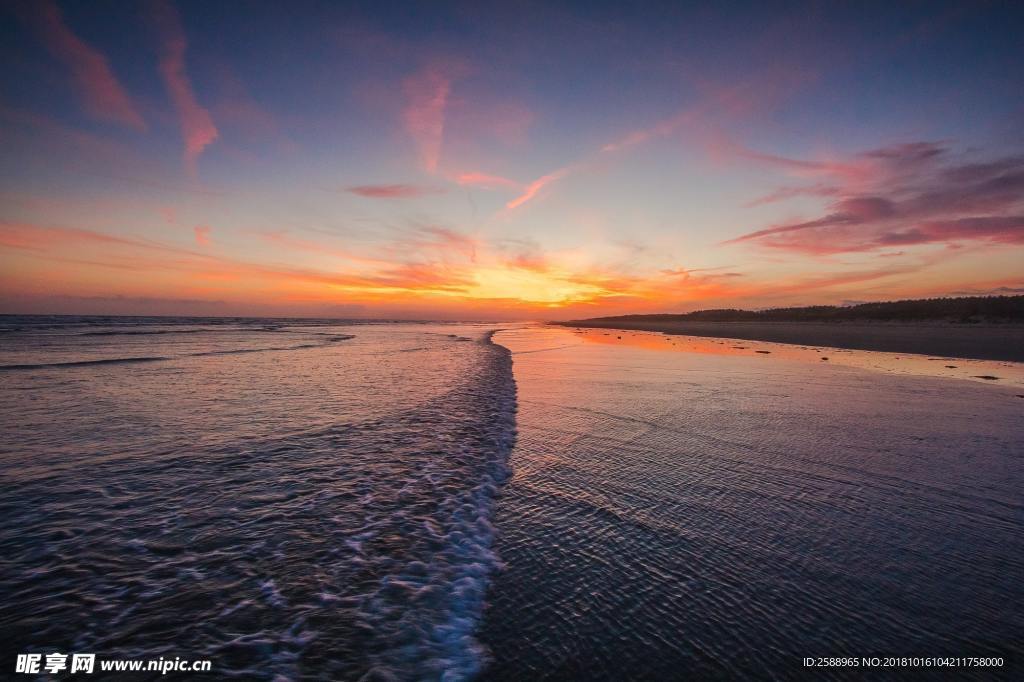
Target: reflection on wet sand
(720, 514)
(991, 372)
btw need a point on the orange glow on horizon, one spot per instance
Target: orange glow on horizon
(454, 275)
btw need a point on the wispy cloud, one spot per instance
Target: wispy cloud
(426, 102)
(398, 191)
(434, 264)
(734, 101)
(902, 195)
(438, 241)
(784, 193)
(197, 127)
(531, 190)
(1001, 229)
(102, 95)
(439, 262)
(475, 179)
(39, 238)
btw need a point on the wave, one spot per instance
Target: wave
(242, 351)
(161, 358)
(301, 346)
(85, 363)
(424, 614)
(358, 545)
(152, 332)
(161, 332)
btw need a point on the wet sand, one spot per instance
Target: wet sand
(690, 508)
(980, 341)
(994, 373)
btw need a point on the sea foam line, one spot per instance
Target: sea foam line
(425, 615)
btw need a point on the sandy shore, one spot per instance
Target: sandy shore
(982, 341)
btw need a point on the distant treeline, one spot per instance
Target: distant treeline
(968, 309)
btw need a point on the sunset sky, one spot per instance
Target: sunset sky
(506, 160)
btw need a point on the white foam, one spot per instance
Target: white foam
(424, 616)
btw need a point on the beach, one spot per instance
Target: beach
(712, 512)
(296, 385)
(372, 501)
(947, 339)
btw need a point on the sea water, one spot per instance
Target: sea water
(725, 514)
(317, 499)
(286, 499)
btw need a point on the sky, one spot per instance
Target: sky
(518, 160)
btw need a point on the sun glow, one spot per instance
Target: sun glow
(550, 288)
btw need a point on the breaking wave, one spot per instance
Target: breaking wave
(359, 548)
(430, 597)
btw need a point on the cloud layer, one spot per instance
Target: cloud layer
(197, 127)
(396, 191)
(426, 102)
(902, 195)
(102, 95)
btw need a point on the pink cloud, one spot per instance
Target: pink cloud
(203, 235)
(394, 191)
(865, 169)
(718, 102)
(112, 251)
(1006, 230)
(102, 94)
(426, 95)
(474, 179)
(784, 193)
(799, 167)
(442, 240)
(736, 100)
(903, 195)
(1002, 229)
(197, 127)
(662, 128)
(531, 190)
(850, 211)
(32, 237)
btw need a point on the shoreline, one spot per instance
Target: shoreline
(978, 342)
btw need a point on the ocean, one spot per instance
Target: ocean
(330, 499)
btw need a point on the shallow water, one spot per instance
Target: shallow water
(681, 515)
(996, 372)
(316, 507)
(315, 499)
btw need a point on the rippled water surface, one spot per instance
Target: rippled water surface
(322, 500)
(291, 500)
(679, 515)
